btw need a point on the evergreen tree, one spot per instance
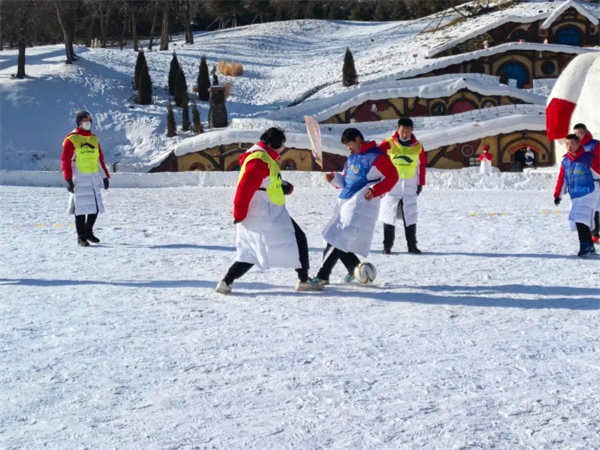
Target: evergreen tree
(173, 73)
(196, 122)
(203, 80)
(171, 125)
(181, 93)
(144, 86)
(381, 13)
(141, 62)
(185, 120)
(349, 76)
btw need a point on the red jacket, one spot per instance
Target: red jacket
(385, 146)
(256, 171)
(596, 151)
(384, 164)
(487, 156)
(69, 151)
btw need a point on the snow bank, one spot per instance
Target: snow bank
(463, 179)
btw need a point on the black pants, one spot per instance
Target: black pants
(239, 269)
(596, 230)
(389, 232)
(585, 234)
(331, 256)
(85, 227)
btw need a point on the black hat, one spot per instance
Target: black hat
(82, 115)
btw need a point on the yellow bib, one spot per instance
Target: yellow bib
(87, 152)
(404, 158)
(274, 190)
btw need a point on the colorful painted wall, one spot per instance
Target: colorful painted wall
(508, 151)
(571, 28)
(394, 108)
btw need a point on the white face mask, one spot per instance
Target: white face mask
(87, 126)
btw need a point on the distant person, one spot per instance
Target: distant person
(85, 172)
(529, 158)
(589, 144)
(580, 177)
(408, 157)
(267, 236)
(485, 165)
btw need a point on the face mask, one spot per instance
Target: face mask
(86, 126)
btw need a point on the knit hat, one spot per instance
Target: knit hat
(80, 115)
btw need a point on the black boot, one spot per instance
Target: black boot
(89, 227)
(389, 234)
(411, 239)
(80, 226)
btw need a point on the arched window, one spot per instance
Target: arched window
(516, 71)
(288, 164)
(197, 167)
(569, 35)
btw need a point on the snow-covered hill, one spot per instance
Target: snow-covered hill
(284, 63)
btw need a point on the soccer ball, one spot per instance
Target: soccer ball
(365, 273)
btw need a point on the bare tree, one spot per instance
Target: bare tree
(21, 12)
(66, 18)
(164, 35)
(104, 9)
(154, 23)
(133, 15)
(182, 11)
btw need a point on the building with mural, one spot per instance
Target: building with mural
(484, 82)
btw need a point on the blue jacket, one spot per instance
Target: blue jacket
(356, 169)
(576, 171)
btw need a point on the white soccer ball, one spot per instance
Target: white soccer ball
(365, 273)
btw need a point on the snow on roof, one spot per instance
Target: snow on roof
(446, 61)
(434, 132)
(526, 12)
(433, 87)
(583, 10)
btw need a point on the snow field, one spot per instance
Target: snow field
(488, 340)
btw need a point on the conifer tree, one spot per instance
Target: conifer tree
(140, 62)
(173, 73)
(171, 125)
(185, 120)
(196, 122)
(181, 93)
(203, 80)
(144, 86)
(349, 76)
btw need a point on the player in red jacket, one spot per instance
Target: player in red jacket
(266, 234)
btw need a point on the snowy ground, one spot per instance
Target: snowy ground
(488, 340)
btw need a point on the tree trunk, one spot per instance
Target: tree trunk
(21, 59)
(122, 38)
(104, 19)
(134, 28)
(62, 20)
(164, 37)
(153, 29)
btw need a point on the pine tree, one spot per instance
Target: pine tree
(144, 86)
(196, 122)
(349, 76)
(171, 125)
(203, 81)
(181, 93)
(141, 61)
(185, 120)
(381, 13)
(173, 73)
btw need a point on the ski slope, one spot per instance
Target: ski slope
(487, 340)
